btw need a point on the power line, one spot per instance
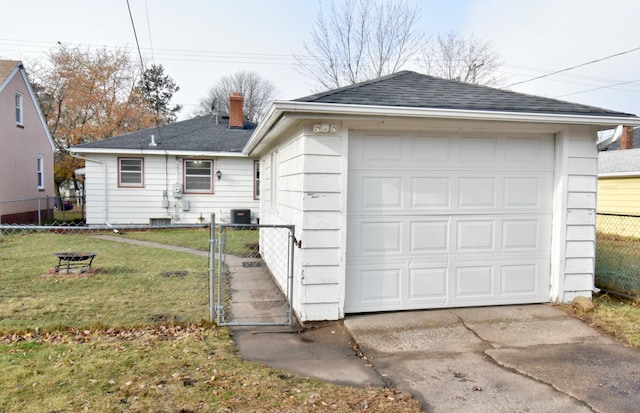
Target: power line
(146, 9)
(598, 88)
(573, 67)
(135, 34)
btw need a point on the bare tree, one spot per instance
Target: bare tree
(258, 94)
(361, 40)
(467, 59)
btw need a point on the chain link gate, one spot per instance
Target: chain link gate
(253, 282)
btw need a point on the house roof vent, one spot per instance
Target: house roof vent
(153, 141)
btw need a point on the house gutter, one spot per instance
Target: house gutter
(104, 166)
(111, 151)
(276, 118)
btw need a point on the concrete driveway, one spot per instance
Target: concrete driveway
(531, 358)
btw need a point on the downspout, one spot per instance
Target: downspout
(617, 133)
(104, 166)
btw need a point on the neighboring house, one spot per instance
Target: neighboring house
(619, 189)
(26, 150)
(413, 192)
(178, 173)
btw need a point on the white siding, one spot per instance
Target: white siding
(117, 205)
(309, 197)
(578, 254)
(311, 174)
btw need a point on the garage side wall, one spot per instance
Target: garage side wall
(578, 231)
(301, 185)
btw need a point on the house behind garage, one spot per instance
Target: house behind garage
(179, 173)
(413, 192)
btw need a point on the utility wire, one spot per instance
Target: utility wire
(598, 88)
(573, 67)
(135, 34)
(146, 9)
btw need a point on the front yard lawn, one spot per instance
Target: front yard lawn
(133, 337)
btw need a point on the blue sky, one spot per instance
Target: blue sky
(198, 41)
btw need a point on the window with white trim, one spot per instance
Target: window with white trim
(40, 171)
(198, 175)
(19, 109)
(131, 172)
(256, 179)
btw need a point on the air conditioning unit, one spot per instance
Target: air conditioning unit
(241, 216)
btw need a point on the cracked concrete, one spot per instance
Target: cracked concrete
(531, 358)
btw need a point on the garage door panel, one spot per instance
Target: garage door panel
(478, 151)
(477, 192)
(427, 283)
(520, 279)
(474, 281)
(529, 152)
(458, 221)
(429, 236)
(519, 234)
(433, 149)
(380, 192)
(431, 192)
(475, 235)
(380, 237)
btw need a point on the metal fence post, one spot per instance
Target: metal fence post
(212, 263)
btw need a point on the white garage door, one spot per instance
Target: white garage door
(448, 220)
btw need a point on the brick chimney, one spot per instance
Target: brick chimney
(626, 140)
(236, 115)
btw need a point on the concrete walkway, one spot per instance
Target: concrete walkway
(528, 358)
(532, 358)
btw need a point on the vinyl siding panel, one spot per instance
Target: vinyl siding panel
(122, 205)
(619, 195)
(580, 220)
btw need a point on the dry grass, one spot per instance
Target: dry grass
(614, 316)
(103, 343)
(162, 368)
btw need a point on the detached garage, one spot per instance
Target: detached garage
(413, 192)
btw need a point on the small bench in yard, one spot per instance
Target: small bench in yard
(81, 260)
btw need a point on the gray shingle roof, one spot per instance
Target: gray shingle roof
(410, 89)
(621, 162)
(200, 134)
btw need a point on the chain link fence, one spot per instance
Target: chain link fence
(54, 277)
(43, 211)
(618, 253)
(255, 279)
(74, 276)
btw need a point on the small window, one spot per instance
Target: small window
(256, 179)
(130, 172)
(197, 176)
(19, 115)
(40, 171)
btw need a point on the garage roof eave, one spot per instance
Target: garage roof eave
(276, 119)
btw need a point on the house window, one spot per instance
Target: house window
(197, 176)
(40, 171)
(256, 179)
(19, 117)
(130, 172)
